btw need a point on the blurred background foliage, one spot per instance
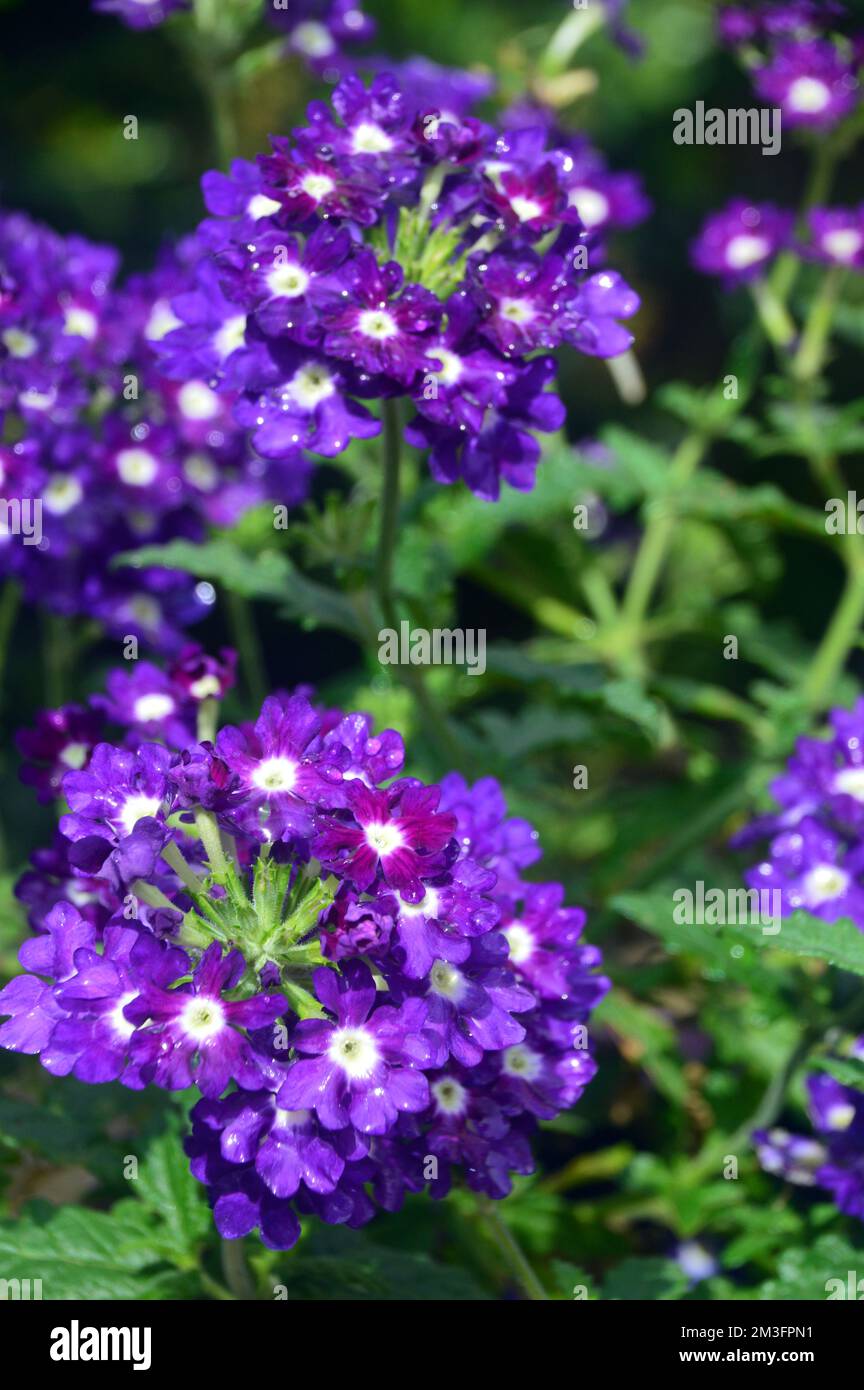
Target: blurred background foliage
(696, 1029)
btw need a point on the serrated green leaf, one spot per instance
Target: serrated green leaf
(83, 1255)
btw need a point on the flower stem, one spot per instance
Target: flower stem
(208, 830)
(10, 602)
(571, 33)
(774, 317)
(512, 1252)
(658, 535)
(810, 357)
(389, 518)
(236, 1271)
(840, 637)
(244, 632)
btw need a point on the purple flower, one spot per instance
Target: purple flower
(837, 236)
(472, 1005)
(399, 833)
(281, 765)
(319, 29)
(363, 1067)
(118, 789)
(140, 14)
(386, 326)
(739, 242)
(835, 1162)
(61, 740)
(811, 82)
(192, 1034)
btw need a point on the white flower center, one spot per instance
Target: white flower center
(31, 399)
(137, 467)
(317, 186)
(162, 320)
(369, 138)
(148, 709)
(62, 493)
(449, 1095)
(377, 323)
(205, 688)
(74, 755)
(384, 839)
(520, 941)
(135, 808)
(313, 39)
(261, 206)
(311, 385)
(19, 343)
(446, 981)
(355, 1051)
(843, 244)
(452, 366)
(745, 250)
(517, 310)
(231, 336)
(430, 906)
(522, 1061)
(808, 95)
(119, 1023)
(849, 781)
(202, 1018)
(591, 206)
(275, 775)
(197, 401)
(80, 323)
(288, 281)
(840, 1116)
(145, 610)
(526, 209)
(201, 472)
(824, 883)
(290, 1119)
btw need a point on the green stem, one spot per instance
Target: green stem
(208, 830)
(186, 874)
(244, 632)
(658, 533)
(810, 357)
(512, 1252)
(571, 33)
(389, 517)
(774, 317)
(236, 1271)
(10, 603)
(840, 637)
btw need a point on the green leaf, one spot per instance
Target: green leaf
(337, 1265)
(840, 943)
(650, 1278)
(167, 1189)
(83, 1255)
(266, 575)
(849, 1071)
(803, 1274)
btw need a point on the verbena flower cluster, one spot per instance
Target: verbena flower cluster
(393, 251)
(834, 1161)
(93, 435)
(816, 852)
(805, 57)
(348, 964)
